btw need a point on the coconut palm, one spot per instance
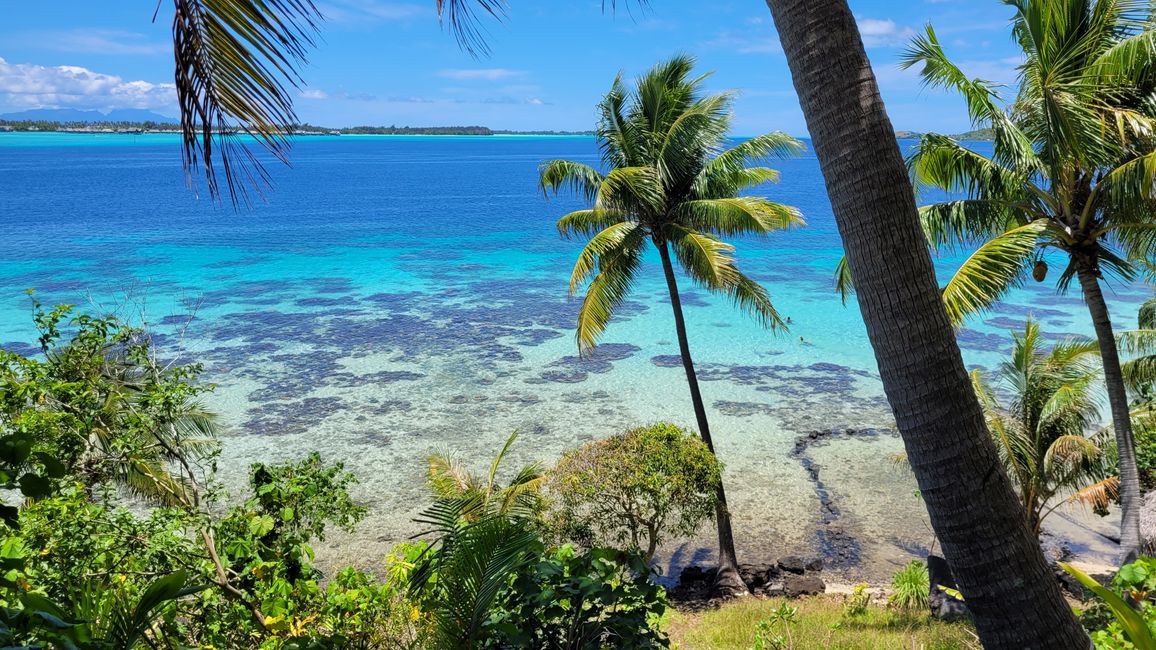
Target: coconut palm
(671, 184)
(969, 498)
(1041, 429)
(1072, 171)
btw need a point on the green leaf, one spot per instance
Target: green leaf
(1129, 619)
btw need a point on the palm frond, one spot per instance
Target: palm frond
(587, 223)
(607, 242)
(705, 259)
(581, 179)
(726, 173)
(236, 63)
(1013, 146)
(844, 283)
(739, 215)
(634, 190)
(991, 271)
(1099, 495)
(617, 270)
(953, 224)
(465, 21)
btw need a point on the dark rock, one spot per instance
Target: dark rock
(815, 564)
(944, 606)
(755, 575)
(806, 585)
(775, 589)
(793, 564)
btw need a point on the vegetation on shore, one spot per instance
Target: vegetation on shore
(26, 126)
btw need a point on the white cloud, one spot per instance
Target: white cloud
(91, 41)
(487, 74)
(25, 85)
(883, 33)
(313, 93)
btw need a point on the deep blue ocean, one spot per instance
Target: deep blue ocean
(393, 296)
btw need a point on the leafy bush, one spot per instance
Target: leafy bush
(636, 488)
(488, 579)
(856, 603)
(95, 415)
(910, 587)
(1127, 626)
(602, 598)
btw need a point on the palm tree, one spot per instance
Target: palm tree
(976, 515)
(1041, 431)
(1072, 171)
(483, 534)
(448, 478)
(671, 184)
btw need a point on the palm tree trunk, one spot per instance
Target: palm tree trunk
(727, 580)
(1118, 400)
(981, 525)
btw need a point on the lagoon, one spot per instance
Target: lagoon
(396, 295)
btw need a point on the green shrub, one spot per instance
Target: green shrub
(910, 587)
(602, 598)
(487, 578)
(635, 488)
(1113, 622)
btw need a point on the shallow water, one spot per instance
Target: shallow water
(398, 295)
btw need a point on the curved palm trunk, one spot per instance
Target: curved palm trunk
(980, 523)
(1121, 420)
(727, 580)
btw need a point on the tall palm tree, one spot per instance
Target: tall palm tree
(1041, 431)
(671, 184)
(1072, 171)
(996, 560)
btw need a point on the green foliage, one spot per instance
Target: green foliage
(671, 183)
(855, 605)
(1072, 167)
(782, 618)
(636, 487)
(448, 478)
(100, 407)
(1133, 627)
(599, 599)
(910, 587)
(488, 580)
(1038, 416)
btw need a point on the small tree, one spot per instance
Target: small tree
(636, 487)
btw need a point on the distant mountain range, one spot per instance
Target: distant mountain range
(72, 115)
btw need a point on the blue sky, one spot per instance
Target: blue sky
(385, 62)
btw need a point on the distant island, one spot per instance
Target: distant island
(977, 134)
(102, 124)
(62, 121)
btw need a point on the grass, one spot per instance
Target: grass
(820, 624)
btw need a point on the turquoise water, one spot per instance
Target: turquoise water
(398, 295)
